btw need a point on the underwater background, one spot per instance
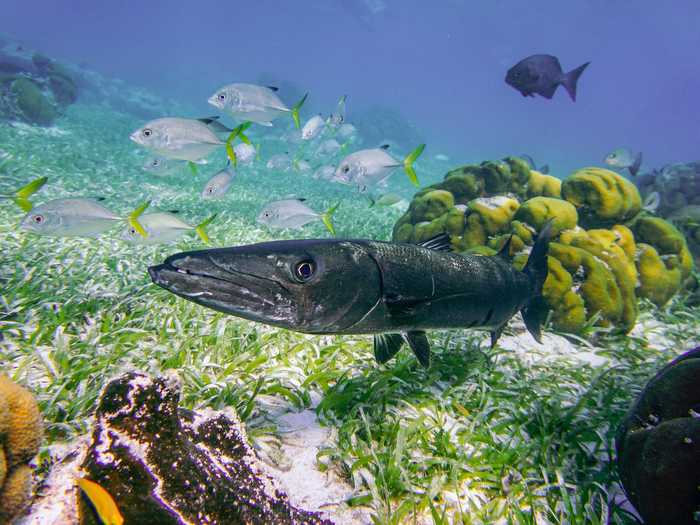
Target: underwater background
(517, 433)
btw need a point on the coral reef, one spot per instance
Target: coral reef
(21, 433)
(33, 105)
(163, 464)
(625, 252)
(658, 445)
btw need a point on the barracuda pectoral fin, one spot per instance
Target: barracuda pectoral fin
(439, 243)
(386, 346)
(418, 342)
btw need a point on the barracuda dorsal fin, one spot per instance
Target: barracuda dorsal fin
(418, 342)
(386, 346)
(439, 243)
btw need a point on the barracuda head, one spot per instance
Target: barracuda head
(313, 286)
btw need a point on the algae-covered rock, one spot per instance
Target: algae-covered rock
(21, 433)
(63, 88)
(32, 103)
(539, 210)
(601, 196)
(543, 185)
(162, 464)
(658, 445)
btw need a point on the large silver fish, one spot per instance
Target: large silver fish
(293, 214)
(162, 227)
(250, 102)
(78, 218)
(178, 138)
(368, 167)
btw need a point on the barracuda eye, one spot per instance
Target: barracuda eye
(304, 270)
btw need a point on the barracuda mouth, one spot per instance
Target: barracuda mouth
(197, 277)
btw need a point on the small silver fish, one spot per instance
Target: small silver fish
(163, 227)
(368, 167)
(387, 199)
(325, 172)
(162, 166)
(301, 166)
(254, 103)
(338, 117)
(280, 162)
(347, 132)
(178, 138)
(313, 127)
(622, 158)
(77, 218)
(245, 153)
(218, 185)
(328, 148)
(293, 214)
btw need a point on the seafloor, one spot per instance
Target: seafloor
(521, 433)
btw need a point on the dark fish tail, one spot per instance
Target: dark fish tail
(570, 79)
(634, 168)
(535, 311)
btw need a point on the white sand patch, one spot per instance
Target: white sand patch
(56, 501)
(306, 486)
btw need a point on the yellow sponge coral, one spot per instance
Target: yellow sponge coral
(20, 437)
(538, 210)
(601, 196)
(543, 185)
(667, 240)
(658, 279)
(605, 245)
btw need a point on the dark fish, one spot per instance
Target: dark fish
(393, 290)
(542, 74)
(542, 169)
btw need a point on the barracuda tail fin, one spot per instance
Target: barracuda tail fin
(326, 218)
(21, 196)
(535, 311)
(408, 164)
(295, 110)
(133, 219)
(201, 231)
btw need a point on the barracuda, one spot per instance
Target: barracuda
(394, 291)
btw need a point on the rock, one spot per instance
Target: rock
(658, 445)
(63, 88)
(159, 461)
(32, 104)
(21, 433)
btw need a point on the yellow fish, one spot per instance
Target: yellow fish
(104, 504)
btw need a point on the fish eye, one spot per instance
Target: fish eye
(346, 169)
(612, 156)
(147, 132)
(155, 162)
(304, 271)
(210, 190)
(132, 231)
(38, 219)
(222, 96)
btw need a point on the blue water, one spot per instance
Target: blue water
(440, 64)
